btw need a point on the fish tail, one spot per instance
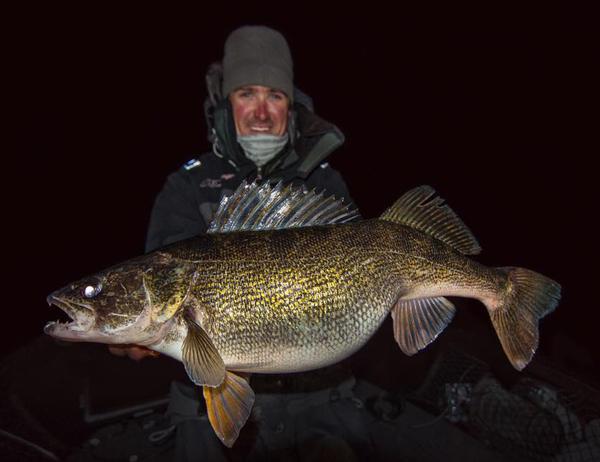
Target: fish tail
(527, 297)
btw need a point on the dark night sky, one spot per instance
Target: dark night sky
(488, 106)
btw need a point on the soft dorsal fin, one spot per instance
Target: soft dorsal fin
(260, 207)
(433, 217)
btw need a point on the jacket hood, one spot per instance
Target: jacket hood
(312, 138)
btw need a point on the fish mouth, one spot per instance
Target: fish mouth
(81, 319)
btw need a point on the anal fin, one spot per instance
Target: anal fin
(229, 406)
(417, 322)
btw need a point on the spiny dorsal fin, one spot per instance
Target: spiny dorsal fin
(260, 207)
(433, 217)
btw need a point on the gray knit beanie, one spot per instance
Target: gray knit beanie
(257, 55)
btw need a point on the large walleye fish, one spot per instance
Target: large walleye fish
(286, 281)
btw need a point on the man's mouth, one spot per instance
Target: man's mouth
(260, 128)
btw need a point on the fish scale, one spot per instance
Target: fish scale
(266, 313)
(268, 293)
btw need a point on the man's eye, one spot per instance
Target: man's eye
(276, 96)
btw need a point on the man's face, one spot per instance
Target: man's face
(259, 110)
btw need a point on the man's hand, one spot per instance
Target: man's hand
(133, 351)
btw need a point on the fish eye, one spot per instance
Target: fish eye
(91, 291)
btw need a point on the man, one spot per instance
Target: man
(260, 127)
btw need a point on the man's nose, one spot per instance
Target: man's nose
(261, 112)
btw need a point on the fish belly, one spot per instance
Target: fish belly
(290, 316)
(297, 300)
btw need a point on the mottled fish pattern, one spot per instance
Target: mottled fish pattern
(287, 280)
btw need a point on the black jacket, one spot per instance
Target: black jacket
(191, 195)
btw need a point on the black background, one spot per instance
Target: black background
(490, 106)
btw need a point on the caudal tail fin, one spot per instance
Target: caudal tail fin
(527, 298)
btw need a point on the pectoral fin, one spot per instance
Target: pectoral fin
(229, 406)
(418, 322)
(201, 359)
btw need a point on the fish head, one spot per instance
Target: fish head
(133, 302)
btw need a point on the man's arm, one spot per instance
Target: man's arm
(136, 352)
(175, 215)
